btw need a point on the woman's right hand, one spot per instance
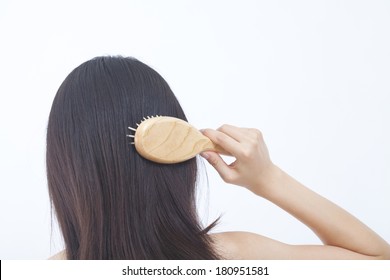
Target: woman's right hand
(344, 236)
(252, 167)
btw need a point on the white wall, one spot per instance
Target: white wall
(312, 75)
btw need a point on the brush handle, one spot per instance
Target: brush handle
(210, 146)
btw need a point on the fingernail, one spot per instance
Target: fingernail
(205, 155)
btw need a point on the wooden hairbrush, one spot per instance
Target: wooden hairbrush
(170, 140)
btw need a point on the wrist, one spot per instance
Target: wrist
(269, 181)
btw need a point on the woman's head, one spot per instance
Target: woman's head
(110, 202)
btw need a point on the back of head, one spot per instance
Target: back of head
(110, 202)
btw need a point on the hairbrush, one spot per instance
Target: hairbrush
(170, 140)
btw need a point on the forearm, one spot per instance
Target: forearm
(333, 225)
(254, 170)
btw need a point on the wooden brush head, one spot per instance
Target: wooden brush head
(170, 140)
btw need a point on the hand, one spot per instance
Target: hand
(252, 167)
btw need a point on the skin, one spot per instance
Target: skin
(343, 236)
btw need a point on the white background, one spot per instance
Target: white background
(313, 76)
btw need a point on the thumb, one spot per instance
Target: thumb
(217, 162)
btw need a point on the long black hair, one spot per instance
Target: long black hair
(110, 202)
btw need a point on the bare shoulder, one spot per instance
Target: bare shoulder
(59, 256)
(247, 245)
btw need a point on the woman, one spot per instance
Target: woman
(113, 204)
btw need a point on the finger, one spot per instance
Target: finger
(226, 142)
(237, 133)
(242, 134)
(218, 163)
(254, 132)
